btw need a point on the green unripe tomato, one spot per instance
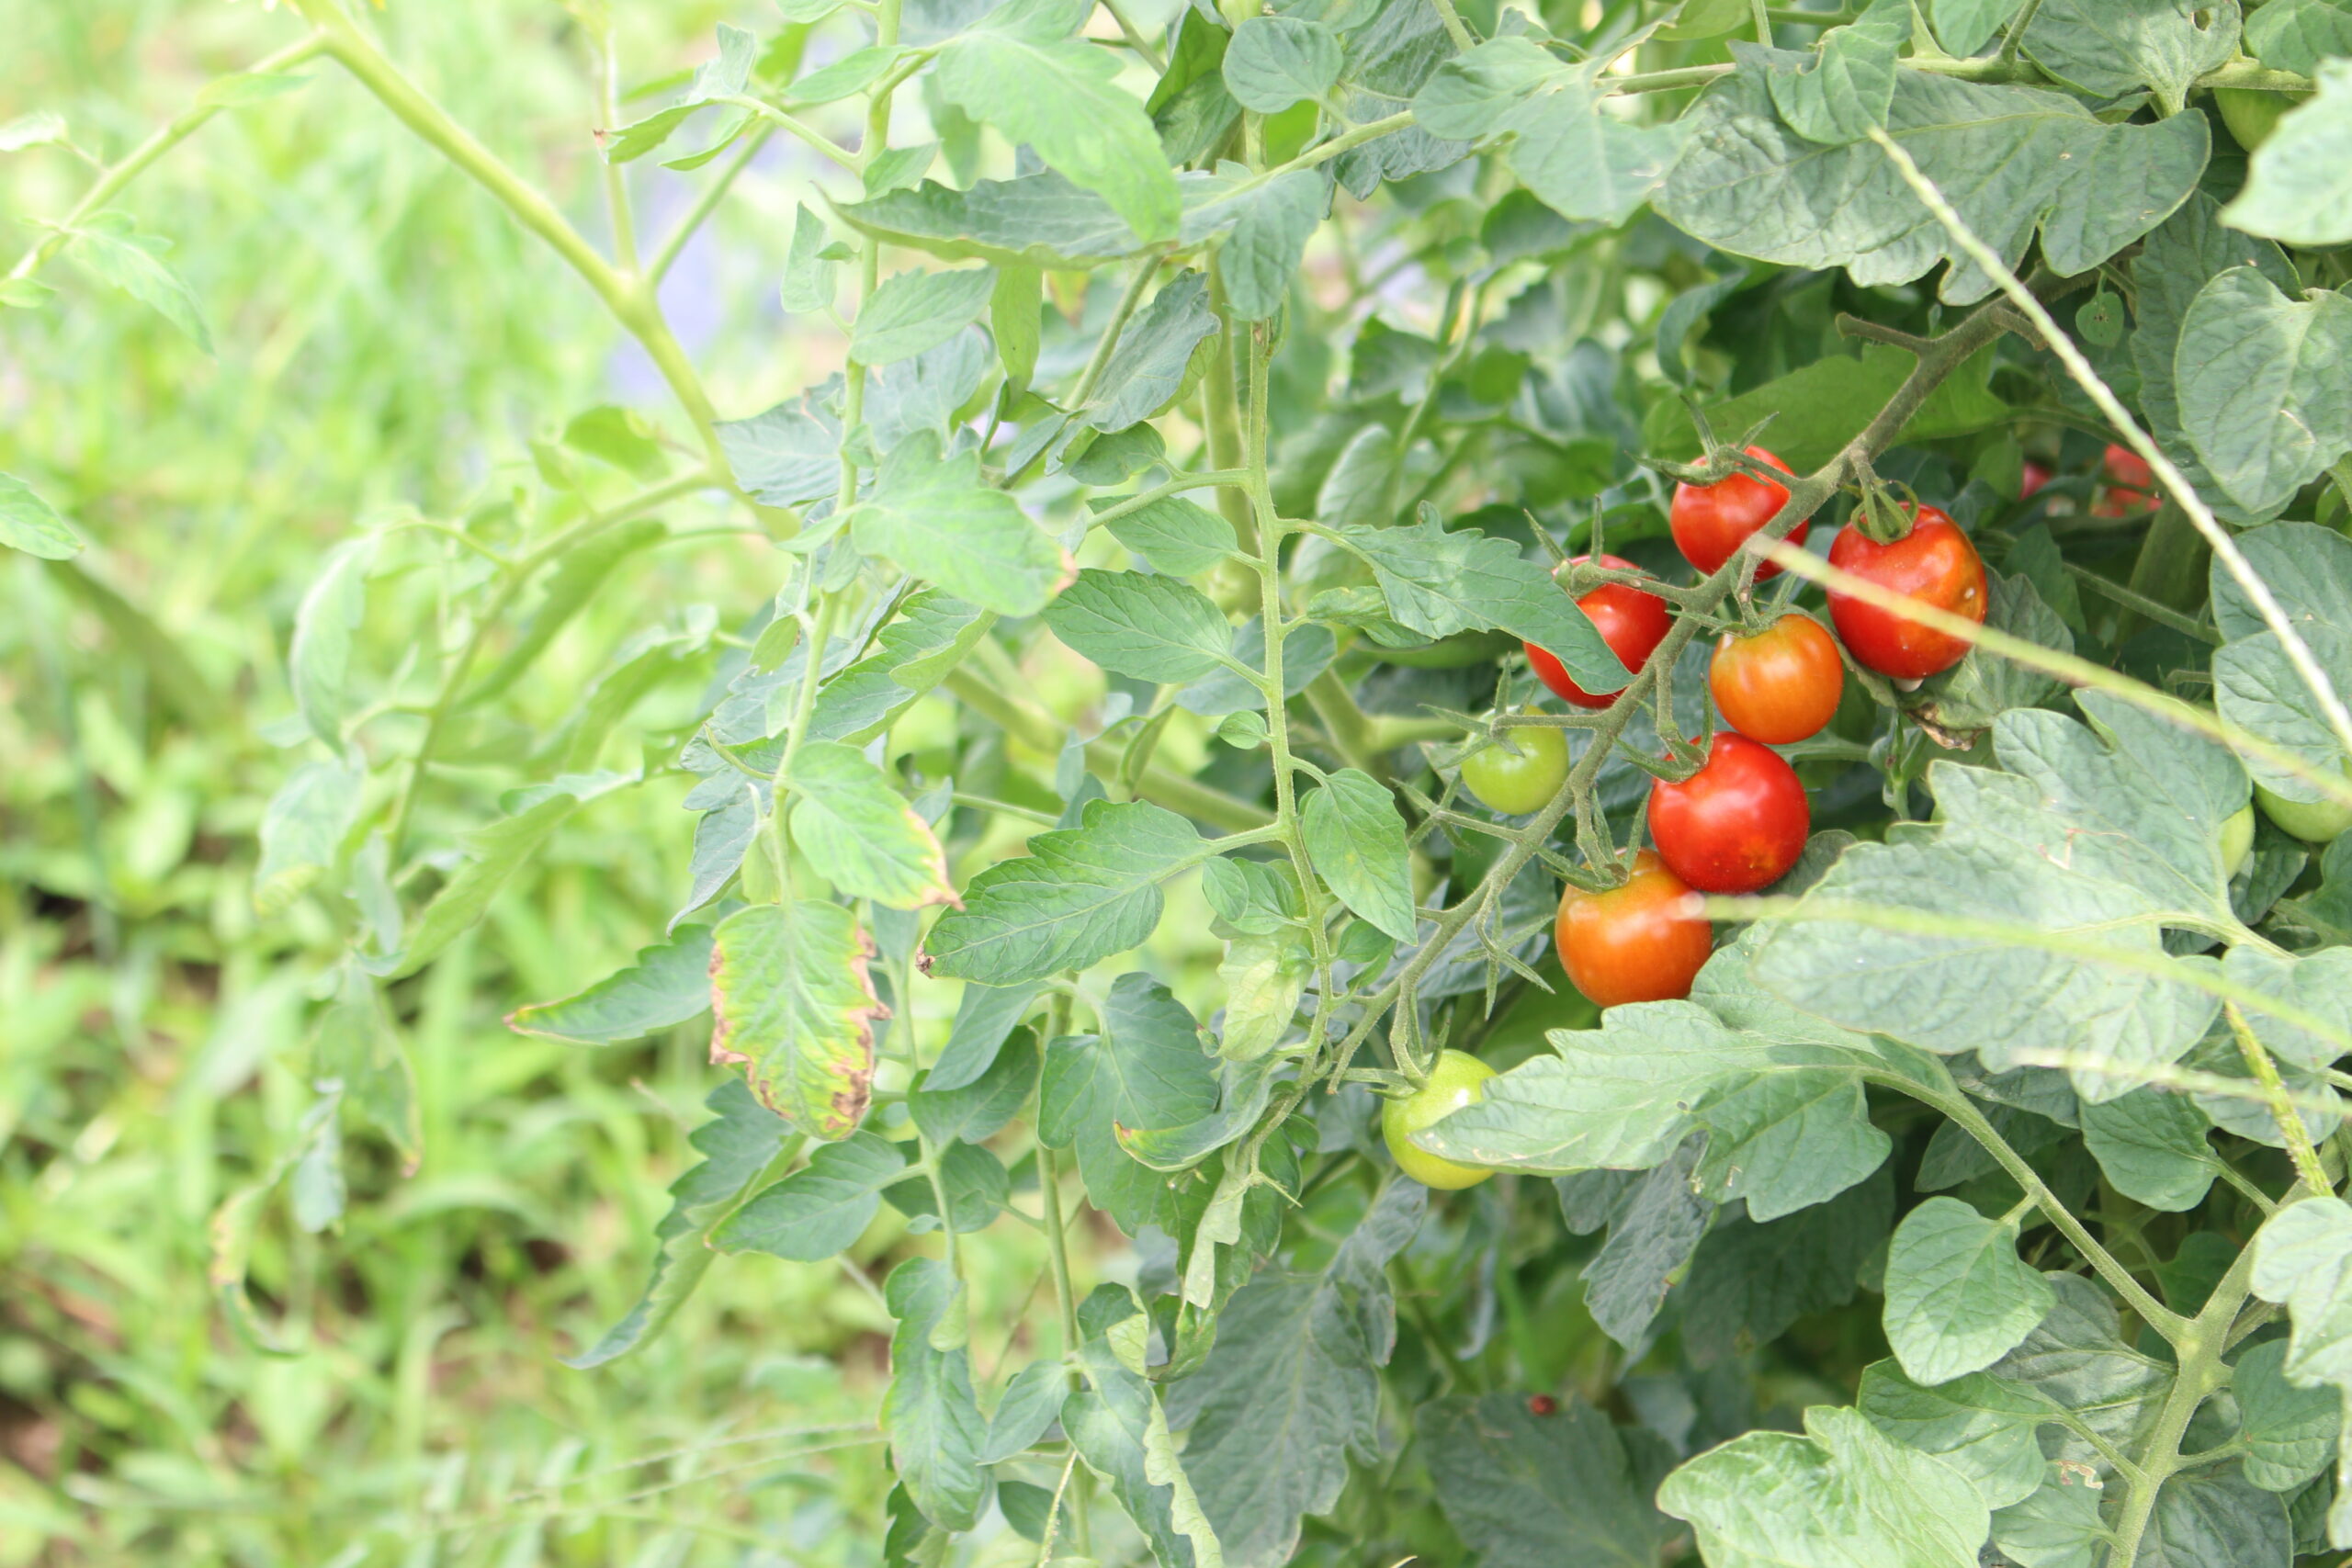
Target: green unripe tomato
(2314, 821)
(2251, 115)
(2237, 840)
(1516, 781)
(1455, 1079)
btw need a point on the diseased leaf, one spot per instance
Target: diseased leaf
(1080, 895)
(791, 1001)
(739, 1148)
(861, 834)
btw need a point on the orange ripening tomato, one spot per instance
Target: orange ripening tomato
(1631, 621)
(1709, 522)
(1735, 824)
(1643, 942)
(1781, 684)
(1936, 564)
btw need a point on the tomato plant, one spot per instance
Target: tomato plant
(1639, 942)
(1933, 564)
(1520, 772)
(835, 766)
(1631, 621)
(1709, 522)
(1779, 686)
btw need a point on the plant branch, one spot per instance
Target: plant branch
(706, 203)
(131, 165)
(2242, 571)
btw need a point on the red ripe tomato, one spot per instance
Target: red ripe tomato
(1936, 564)
(2036, 476)
(1781, 684)
(1709, 522)
(1639, 943)
(1735, 824)
(1631, 621)
(2132, 484)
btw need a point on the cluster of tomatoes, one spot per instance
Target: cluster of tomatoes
(1740, 822)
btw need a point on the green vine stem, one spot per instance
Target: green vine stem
(170, 134)
(628, 296)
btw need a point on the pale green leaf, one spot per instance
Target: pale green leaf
(1147, 366)
(1146, 1069)
(1080, 895)
(914, 311)
(111, 249)
(1845, 90)
(1273, 62)
(666, 985)
(1261, 254)
(2151, 1145)
(937, 519)
(1958, 1297)
(1981, 1425)
(28, 524)
(1154, 628)
(2265, 384)
(302, 830)
(933, 1421)
(807, 287)
(861, 834)
(2296, 35)
(2108, 48)
(2299, 188)
(1178, 536)
(1356, 841)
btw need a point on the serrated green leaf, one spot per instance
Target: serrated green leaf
(807, 287)
(302, 830)
(1147, 366)
(937, 518)
(1438, 583)
(2058, 1526)
(1146, 1069)
(1118, 1427)
(861, 834)
(1080, 895)
(1178, 536)
(1579, 160)
(1818, 408)
(1982, 687)
(2108, 48)
(1527, 1491)
(1840, 1494)
(1844, 91)
(2014, 160)
(667, 984)
(2290, 1432)
(933, 1419)
(1981, 1425)
(1356, 841)
(791, 1001)
(1271, 62)
(1153, 628)
(1650, 1244)
(1965, 27)
(1020, 71)
(975, 1111)
(2265, 395)
(914, 311)
(1958, 1297)
(2217, 1515)
(28, 524)
(726, 74)
(1261, 254)
(739, 1146)
(788, 456)
(974, 1182)
(1032, 1404)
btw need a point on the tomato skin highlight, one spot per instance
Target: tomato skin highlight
(2237, 840)
(1710, 522)
(1631, 621)
(1639, 943)
(1455, 1079)
(1936, 564)
(1735, 824)
(1781, 684)
(1518, 783)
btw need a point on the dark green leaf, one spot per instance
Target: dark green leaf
(1526, 1491)
(1356, 841)
(935, 1422)
(1154, 628)
(820, 1209)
